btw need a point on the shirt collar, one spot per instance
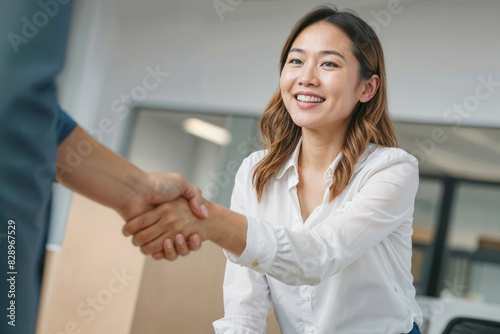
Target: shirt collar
(293, 161)
(370, 147)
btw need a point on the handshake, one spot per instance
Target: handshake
(165, 220)
(171, 218)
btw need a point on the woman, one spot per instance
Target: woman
(321, 221)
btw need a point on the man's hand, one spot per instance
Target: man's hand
(163, 188)
(155, 230)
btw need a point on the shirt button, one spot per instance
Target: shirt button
(307, 298)
(255, 263)
(329, 173)
(312, 331)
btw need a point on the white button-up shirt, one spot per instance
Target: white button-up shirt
(346, 269)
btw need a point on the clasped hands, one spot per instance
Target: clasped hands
(167, 220)
(169, 230)
(169, 210)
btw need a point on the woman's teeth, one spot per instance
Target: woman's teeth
(308, 98)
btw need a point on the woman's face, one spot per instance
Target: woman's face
(319, 82)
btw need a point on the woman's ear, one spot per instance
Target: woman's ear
(370, 88)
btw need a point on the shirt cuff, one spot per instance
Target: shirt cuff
(261, 249)
(225, 327)
(65, 125)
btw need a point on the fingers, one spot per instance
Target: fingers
(169, 250)
(181, 246)
(178, 247)
(194, 242)
(158, 256)
(149, 236)
(155, 246)
(168, 187)
(193, 194)
(149, 227)
(139, 223)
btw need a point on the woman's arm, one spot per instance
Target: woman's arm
(306, 256)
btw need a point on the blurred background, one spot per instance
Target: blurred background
(179, 86)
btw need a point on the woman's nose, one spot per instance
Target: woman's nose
(308, 77)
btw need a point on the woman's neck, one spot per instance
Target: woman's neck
(319, 149)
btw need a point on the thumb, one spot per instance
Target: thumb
(199, 209)
(193, 195)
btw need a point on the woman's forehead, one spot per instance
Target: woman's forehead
(323, 36)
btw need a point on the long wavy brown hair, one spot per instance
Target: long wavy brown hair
(369, 122)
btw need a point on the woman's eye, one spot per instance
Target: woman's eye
(295, 61)
(329, 64)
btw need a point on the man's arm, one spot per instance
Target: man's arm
(91, 169)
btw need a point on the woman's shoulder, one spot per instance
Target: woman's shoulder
(248, 164)
(254, 158)
(383, 156)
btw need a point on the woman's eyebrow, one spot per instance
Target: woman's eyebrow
(326, 52)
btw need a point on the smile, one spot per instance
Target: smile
(308, 98)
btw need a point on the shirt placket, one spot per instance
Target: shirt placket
(305, 291)
(306, 308)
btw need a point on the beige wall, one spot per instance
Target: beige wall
(184, 296)
(96, 263)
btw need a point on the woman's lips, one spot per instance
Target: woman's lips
(308, 101)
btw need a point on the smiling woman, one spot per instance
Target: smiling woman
(321, 221)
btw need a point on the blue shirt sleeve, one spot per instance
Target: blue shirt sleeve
(65, 125)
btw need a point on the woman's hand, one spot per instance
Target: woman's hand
(179, 246)
(162, 231)
(156, 230)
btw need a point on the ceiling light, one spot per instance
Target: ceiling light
(207, 131)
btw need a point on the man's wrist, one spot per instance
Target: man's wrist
(138, 200)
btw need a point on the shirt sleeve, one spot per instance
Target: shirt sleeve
(309, 256)
(65, 124)
(246, 292)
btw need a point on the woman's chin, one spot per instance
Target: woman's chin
(304, 121)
